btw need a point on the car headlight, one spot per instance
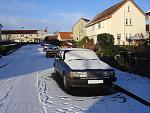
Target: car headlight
(108, 73)
(111, 73)
(78, 74)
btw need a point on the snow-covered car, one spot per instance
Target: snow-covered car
(51, 51)
(82, 68)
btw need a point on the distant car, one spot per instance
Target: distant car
(46, 46)
(43, 43)
(82, 68)
(51, 51)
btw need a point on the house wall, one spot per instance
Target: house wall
(116, 25)
(25, 37)
(119, 26)
(98, 28)
(79, 30)
(59, 37)
(148, 21)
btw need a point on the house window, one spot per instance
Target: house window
(128, 8)
(126, 21)
(126, 36)
(118, 38)
(93, 28)
(99, 25)
(130, 22)
(130, 35)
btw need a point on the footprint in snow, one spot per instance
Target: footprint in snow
(119, 98)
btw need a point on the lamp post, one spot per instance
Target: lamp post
(21, 28)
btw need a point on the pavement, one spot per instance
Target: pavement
(136, 84)
(4, 61)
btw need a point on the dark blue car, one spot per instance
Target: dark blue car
(82, 68)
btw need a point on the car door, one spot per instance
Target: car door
(59, 64)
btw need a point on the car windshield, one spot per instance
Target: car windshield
(81, 55)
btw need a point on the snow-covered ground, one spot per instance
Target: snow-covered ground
(134, 83)
(28, 85)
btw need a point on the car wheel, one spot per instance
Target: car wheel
(55, 71)
(46, 56)
(66, 84)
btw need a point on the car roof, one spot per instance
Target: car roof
(74, 49)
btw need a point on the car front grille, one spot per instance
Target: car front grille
(98, 74)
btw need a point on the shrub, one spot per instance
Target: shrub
(82, 42)
(6, 49)
(105, 39)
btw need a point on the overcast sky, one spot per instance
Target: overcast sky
(56, 15)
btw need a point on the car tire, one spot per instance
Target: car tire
(55, 71)
(66, 84)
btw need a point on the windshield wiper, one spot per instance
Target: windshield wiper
(82, 59)
(76, 59)
(91, 59)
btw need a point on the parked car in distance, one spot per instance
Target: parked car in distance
(82, 68)
(46, 46)
(51, 51)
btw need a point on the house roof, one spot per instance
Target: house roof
(84, 19)
(110, 11)
(19, 31)
(148, 13)
(66, 35)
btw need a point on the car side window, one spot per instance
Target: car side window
(58, 56)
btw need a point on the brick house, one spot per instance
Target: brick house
(65, 36)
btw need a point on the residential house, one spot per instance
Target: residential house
(79, 29)
(51, 37)
(123, 20)
(68, 45)
(148, 22)
(0, 32)
(65, 36)
(24, 35)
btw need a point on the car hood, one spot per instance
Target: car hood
(87, 64)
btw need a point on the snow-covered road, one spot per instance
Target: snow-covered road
(28, 85)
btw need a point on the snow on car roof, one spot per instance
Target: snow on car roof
(72, 49)
(80, 53)
(81, 59)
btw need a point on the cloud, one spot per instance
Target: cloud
(54, 21)
(31, 23)
(71, 17)
(31, 14)
(17, 23)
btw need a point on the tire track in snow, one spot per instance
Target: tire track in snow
(50, 103)
(6, 92)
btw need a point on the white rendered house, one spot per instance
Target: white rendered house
(122, 20)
